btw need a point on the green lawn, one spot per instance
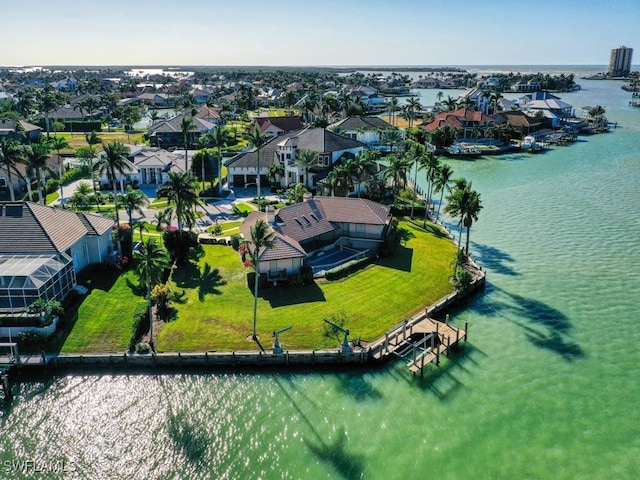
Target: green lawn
(104, 320)
(217, 314)
(216, 311)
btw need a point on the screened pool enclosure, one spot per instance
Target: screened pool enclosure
(25, 278)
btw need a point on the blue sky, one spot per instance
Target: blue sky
(320, 32)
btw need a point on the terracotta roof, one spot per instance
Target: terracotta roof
(31, 228)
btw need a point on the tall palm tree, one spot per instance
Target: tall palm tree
(364, 166)
(58, 143)
(276, 172)
(11, 154)
(36, 155)
(186, 126)
(152, 261)
(48, 100)
(392, 137)
(219, 139)
(112, 163)
(306, 159)
(411, 109)
(443, 179)
(180, 191)
(132, 201)
(257, 139)
(472, 210)
(92, 139)
(262, 237)
(397, 171)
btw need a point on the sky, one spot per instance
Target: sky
(316, 32)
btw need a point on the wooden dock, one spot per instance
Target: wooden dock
(419, 342)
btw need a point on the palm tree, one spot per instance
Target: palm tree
(186, 125)
(152, 261)
(262, 237)
(392, 137)
(472, 211)
(219, 139)
(392, 108)
(80, 197)
(364, 165)
(36, 155)
(180, 191)
(443, 179)
(306, 159)
(58, 143)
(11, 153)
(411, 109)
(397, 171)
(48, 100)
(465, 204)
(450, 103)
(112, 163)
(416, 153)
(296, 192)
(257, 139)
(132, 201)
(92, 139)
(276, 171)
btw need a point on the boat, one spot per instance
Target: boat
(635, 99)
(462, 150)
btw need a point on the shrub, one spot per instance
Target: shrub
(30, 339)
(73, 174)
(346, 268)
(53, 184)
(142, 347)
(160, 295)
(235, 242)
(140, 324)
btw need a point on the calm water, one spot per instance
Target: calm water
(547, 388)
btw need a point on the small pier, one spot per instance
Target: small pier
(420, 342)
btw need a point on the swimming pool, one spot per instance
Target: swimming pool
(337, 255)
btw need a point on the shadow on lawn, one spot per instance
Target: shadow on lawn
(400, 260)
(206, 281)
(288, 295)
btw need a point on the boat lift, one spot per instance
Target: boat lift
(277, 348)
(344, 347)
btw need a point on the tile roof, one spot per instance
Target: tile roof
(369, 123)
(308, 220)
(286, 124)
(31, 228)
(284, 246)
(172, 125)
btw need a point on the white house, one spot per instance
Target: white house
(43, 248)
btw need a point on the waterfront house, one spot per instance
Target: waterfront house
(43, 248)
(168, 133)
(274, 126)
(283, 149)
(363, 129)
(318, 222)
(547, 105)
(466, 122)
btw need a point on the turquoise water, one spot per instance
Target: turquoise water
(548, 386)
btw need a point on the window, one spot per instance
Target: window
(3, 182)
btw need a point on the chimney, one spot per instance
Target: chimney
(306, 196)
(270, 215)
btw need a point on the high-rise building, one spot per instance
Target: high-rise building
(620, 63)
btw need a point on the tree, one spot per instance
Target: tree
(257, 139)
(37, 154)
(132, 201)
(306, 159)
(152, 261)
(397, 171)
(180, 191)
(81, 196)
(48, 100)
(472, 210)
(219, 138)
(276, 172)
(58, 143)
(186, 126)
(296, 192)
(411, 110)
(392, 137)
(201, 161)
(443, 178)
(11, 154)
(364, 166)
(262, 238)
(463, 203)
(113, 162)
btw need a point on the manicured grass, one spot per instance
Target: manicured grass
(228, 228)
(215, 311)
(105, 317)
(244, 208)
(76, 140)
(217, 314)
